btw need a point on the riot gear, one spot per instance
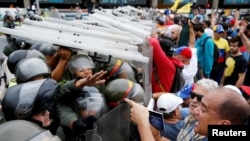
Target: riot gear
(95, 103)
(45, 48)
(19, 17)
(18, 55)
(21, 44)
(10, 20)
(119, 89)
(80, 62)
(24, 131)
(115, 67)
(24, 100)
(30, 68)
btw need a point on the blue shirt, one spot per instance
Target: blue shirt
(205, 56)
(172, 130)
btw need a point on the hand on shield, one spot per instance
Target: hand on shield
(139, 113)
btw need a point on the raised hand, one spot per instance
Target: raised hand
(91, 80)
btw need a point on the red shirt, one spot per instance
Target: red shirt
(169, 23)
(164, 66)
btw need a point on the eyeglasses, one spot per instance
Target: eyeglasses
(198, 96)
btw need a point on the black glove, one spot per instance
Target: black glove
(90, 122)
(82, 125)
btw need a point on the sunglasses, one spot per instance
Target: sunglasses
(198, 96)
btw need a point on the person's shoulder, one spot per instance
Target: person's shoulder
(223, 40)
(242, 59)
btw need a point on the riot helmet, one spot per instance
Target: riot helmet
(23, 130)
(80, 62)
(18, 55)
(10, 16)
(24, 100)
(91, 89)
(91, 106)
(45, 48)
(112, 67)
(116, 68)
(119, 89)
(21, 43)
(31, 68)
(31, 13)
(19, 17)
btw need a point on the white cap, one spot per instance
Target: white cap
(168, 102)
(162, 11)
(234, 88)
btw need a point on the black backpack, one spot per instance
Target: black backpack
(216, 53)
(178, 81)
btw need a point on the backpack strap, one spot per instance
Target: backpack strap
(204, 43)
(158, 81)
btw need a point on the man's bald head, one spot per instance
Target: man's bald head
(175, 32)
(228, 104)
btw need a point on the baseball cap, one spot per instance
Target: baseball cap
(184, 51)
(168, 102)
(185, 91)
(246, 89)
(232, 21)
(218, 28)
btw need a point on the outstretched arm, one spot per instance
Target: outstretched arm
(191, 34)
(243, 37)
(91, 80)
(140, 116)
(58, 71)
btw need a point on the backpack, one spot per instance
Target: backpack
(178, 81)
(216, 53)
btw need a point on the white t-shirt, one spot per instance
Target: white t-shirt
(209, 32)
(189, 71)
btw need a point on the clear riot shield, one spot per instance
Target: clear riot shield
(91, 135)
(114, 126)
(146, 69)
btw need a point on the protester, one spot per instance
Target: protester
(184, 93)
(140, 116)
(170, 105)
(227, 109)
(207, 28)
(164, 65)
(190, 59)
(200, 89)
(236, 65)
(223, 47)
(205, 51)
(197, 17)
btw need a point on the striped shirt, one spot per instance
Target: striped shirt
(187, 132)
